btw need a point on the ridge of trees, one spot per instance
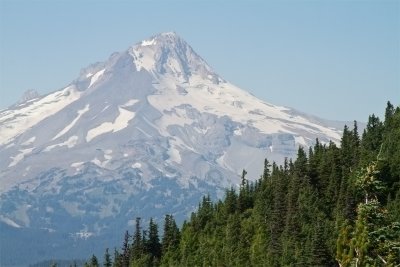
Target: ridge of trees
(332, 206)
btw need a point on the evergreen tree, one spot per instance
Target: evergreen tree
(118, 258)
(371, 140)
(126, 253)
(232, 240)
(230, 203)
(389, 151)
(258, 255)
(244, 199)
(170, 241)
(94, 262)
(374, 240)
(267, 172)
(394, 207)
(153, 244)
(319, 255)
(389, 113)
(276, 217)
(189, 245)
(137, 245)
(107, 259)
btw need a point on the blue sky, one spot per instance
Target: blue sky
(334, 59)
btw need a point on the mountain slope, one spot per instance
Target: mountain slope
(145, 133)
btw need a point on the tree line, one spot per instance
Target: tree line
(332, 206)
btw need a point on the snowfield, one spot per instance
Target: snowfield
(15, 121)
(119, 124)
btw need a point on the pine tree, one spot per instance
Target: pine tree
(258, 255)
(344, 253)
(170, 241)
(244, 199)
(230, 203)
(374, 241)
(189, 245)
(371, 140)
(118, 259)
(137, 244)
(276, 218)
(267, 172)
(394, 207)
(153, 244)
(389, 151)
(355, 145)
(346, 149)
(107, 259)
(126, 253)
(301, 163)
(389, 112)
(94, 262)
(292, 225)
(231, 250)
(204, 213)
(319, 253)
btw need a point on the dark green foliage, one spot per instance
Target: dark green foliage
(374, 240)
(126, 252)
(117, 259)
(107, 259)
(371, 139)
(153, 245)
(94, 262)
(137, 249)
(171, 236)
(170, 242)
(332, 205)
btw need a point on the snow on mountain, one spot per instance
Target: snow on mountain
(17, 120)
(70, 125)
(121, 122)
(145, 133)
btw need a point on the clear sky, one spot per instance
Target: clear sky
(334, 59)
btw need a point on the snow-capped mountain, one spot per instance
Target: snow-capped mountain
(145, 133)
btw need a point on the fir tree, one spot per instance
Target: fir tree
(137, 245)
(126, 253)
(170, 241)
(94, 262)
(374, 240)
(107, 259)
(153, 244)
(118, 259)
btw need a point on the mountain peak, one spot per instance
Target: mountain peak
(28, 95)
(168, 55)
(163, 39)
(170, 34)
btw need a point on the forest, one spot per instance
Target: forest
(335, 205)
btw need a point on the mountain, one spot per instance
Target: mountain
(145, 133)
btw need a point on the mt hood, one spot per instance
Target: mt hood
(145, 133)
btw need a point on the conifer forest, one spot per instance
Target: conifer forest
(335, 205)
